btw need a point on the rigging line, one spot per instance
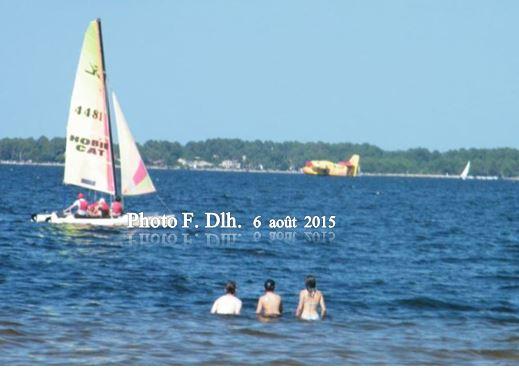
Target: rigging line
(164, 204)
(116, 160)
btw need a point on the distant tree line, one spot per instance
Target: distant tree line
(289, 155)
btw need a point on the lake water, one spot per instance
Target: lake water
(416, 271)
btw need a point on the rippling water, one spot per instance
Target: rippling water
(416, 271)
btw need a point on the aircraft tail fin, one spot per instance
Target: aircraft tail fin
(355, 163)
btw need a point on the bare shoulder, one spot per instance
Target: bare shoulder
(218, 300)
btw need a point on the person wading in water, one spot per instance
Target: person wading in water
(309, 299)
(269, 304)
(228, 303)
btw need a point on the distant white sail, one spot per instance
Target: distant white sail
(88, 160)
(135, 179)
(465, 173)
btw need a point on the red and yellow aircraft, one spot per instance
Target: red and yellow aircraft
(342, 168)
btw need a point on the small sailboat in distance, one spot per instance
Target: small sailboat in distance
(465, 173)
(89, 155)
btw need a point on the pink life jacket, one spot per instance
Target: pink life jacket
(82, 207)
(83, 204)
(103, 206)
(117, 208)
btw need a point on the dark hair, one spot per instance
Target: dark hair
(270, 285)
(118, 199)
(230, 287)
(310, 283)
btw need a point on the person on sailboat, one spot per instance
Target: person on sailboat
(103, 208)
(228, 303)
(81, 204)
(117, 207)
(269, 305)
(309, 299)
(93, 210)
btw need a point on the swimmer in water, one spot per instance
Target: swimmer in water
(309, 299)
(269, 304)
(228, 303)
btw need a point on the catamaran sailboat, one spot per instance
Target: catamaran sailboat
(89, 155)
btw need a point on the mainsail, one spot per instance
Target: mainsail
(135, 179)
(88, 156)
(465, 173)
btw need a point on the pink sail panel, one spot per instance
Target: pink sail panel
(140, 174)
(135, 179)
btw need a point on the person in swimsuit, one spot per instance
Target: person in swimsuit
(309, 299)
(269, 304)
(228, 303)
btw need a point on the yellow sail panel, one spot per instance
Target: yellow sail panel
(88, 161)
(135, 179)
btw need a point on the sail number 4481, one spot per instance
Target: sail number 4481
(89, 113)
(291, 222)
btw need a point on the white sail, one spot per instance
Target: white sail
(465, 173)
(88, 160)
(135, 179)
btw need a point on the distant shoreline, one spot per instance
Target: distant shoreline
(286, 172)
(268, 171)
(238, 154)
(30, 163)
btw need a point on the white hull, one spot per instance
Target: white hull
(53, 218)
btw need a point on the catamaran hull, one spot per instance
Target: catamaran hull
(53, 218)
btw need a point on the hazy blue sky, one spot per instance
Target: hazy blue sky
(398, 74)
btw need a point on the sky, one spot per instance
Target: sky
(439, 74)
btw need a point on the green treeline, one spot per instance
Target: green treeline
(289, 155)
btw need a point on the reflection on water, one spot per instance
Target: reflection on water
(415, 272)
(225, 237)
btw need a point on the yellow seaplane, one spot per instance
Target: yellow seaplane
(342, 168)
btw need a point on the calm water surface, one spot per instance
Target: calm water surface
(416, 271)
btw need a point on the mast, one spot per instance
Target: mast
(98, 20)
